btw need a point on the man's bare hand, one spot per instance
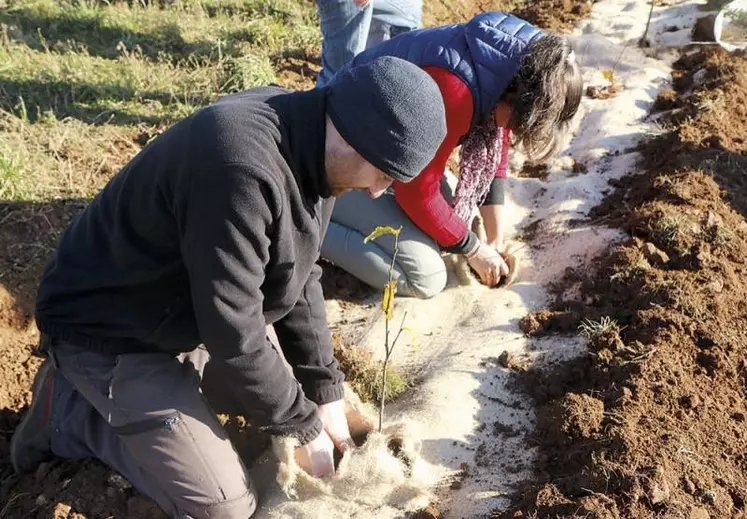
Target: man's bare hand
(316, 457)
(336, 424)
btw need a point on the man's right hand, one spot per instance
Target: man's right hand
(489, 265)
(316, 457)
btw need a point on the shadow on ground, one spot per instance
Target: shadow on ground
(84, 101)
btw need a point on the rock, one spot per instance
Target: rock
(654, 255)
(713, 220)
(716, 286)
(699, 513)
(688, 486)
(658, 491)
(504, 359)
(41, 500)
(709, 498)
(61, 511)
(699, 77)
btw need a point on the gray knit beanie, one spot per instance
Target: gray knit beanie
(391, 112)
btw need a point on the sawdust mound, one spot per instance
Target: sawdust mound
(372, 476)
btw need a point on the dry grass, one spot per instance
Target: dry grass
(363, 372)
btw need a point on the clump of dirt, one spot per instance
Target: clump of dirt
(539, 171)
(298, 70)
(579, 416)
(651, 422)
(438, 12)
(555, 15)
(545, 322)
(665, 100)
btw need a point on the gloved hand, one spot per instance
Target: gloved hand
(489, 264)
(336, 424)
(316, 456)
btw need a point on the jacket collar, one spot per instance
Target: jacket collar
(302, 139)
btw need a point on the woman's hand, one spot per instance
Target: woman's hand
(489, 264)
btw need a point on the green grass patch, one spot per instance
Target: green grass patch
(84, 83)
(363, 373)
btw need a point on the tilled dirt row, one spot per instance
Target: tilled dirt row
(652, 422)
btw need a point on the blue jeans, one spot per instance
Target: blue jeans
(348, 30)
(419, 269)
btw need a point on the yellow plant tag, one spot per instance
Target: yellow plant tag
(609, 75)
(387, 302)
(381, 231)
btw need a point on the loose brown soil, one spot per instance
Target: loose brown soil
(29, 232)
(652, 422)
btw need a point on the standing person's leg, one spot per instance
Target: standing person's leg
(419, 269)
(344, 28)
(144, 416)
(393, 17)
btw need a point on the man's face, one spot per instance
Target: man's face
(350, 172)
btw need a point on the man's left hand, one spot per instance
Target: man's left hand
(336, 424)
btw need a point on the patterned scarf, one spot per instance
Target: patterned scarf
(478, 162)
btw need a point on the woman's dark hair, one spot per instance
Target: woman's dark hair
(545, 95)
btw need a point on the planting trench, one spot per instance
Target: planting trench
(476, 419)
(649, 424)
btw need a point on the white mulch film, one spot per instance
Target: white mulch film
(459, 334)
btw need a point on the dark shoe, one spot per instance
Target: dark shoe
(31, 444)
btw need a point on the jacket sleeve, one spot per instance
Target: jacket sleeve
(307, 345)
(226, 223)
(421, 199)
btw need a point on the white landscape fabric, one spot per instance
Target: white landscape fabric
(460, 333)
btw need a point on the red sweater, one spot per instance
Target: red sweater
(421, 199)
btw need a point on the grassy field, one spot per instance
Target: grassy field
(85, 83)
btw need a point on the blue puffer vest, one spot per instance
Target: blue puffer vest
(485, 52)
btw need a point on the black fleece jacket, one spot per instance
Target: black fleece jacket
(211, 232)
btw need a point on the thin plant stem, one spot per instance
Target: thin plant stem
(648, 23)
(387, 349)
(383, 376)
